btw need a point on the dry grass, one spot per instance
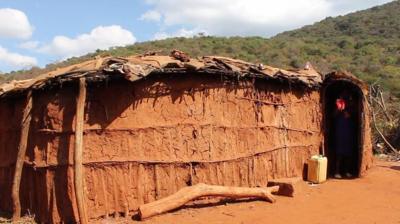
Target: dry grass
(27, 219)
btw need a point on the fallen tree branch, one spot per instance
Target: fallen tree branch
(202, 190)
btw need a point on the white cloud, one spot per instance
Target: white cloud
(15, 59)
(29, 45)
(101, 37)
(180, 33)
(250, 17)
(151, 15)
(341, 7)
(14, 24)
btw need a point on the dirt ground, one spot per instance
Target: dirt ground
(372, 199)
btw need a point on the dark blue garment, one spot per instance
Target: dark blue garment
(345, 137)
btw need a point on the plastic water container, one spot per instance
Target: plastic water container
(317, 168)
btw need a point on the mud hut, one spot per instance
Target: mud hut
(105, 136)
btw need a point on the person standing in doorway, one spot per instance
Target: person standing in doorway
(345, 138)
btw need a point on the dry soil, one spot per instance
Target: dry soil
(371, 199)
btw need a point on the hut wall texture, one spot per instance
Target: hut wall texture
(145, 140)
(367, 158)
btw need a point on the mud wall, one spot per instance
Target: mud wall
(367, 158)
(145, 140)
(10, 117)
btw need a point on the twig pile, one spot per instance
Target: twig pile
(385, 118)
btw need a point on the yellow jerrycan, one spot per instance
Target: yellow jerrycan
(317, 169)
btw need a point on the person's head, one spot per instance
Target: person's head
(340, 104)
(342, 100)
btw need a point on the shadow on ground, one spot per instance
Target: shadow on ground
(395, 168)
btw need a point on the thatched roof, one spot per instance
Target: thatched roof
(346, 76)
(137, 67)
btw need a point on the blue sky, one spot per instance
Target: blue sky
(38, 32)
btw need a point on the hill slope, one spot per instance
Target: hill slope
(366, 43)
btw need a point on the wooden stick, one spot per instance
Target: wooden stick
(383, 109)
(261, 101)
(377, 129)
(19, 164)
(202, 190)
(78, 166)
(382, 136)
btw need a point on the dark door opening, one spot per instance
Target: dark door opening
(342, 121)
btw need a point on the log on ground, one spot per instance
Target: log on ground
(187, 194)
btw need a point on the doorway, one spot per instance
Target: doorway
(342, 128)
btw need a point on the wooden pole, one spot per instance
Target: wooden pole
(187, 194)
(78, 167)
(19, 164)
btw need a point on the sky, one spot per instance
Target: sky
(39, 32)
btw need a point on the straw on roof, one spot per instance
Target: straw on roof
(137, 67)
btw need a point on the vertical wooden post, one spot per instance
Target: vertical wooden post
(78, 167)
(19, 164)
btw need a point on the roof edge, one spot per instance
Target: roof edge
(134, 68)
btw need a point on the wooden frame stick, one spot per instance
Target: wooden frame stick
(19, 164)
(78, 166)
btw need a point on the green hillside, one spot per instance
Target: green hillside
(366, 43)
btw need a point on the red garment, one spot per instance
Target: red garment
(340, 104)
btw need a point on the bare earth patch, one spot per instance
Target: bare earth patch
(372, 199)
